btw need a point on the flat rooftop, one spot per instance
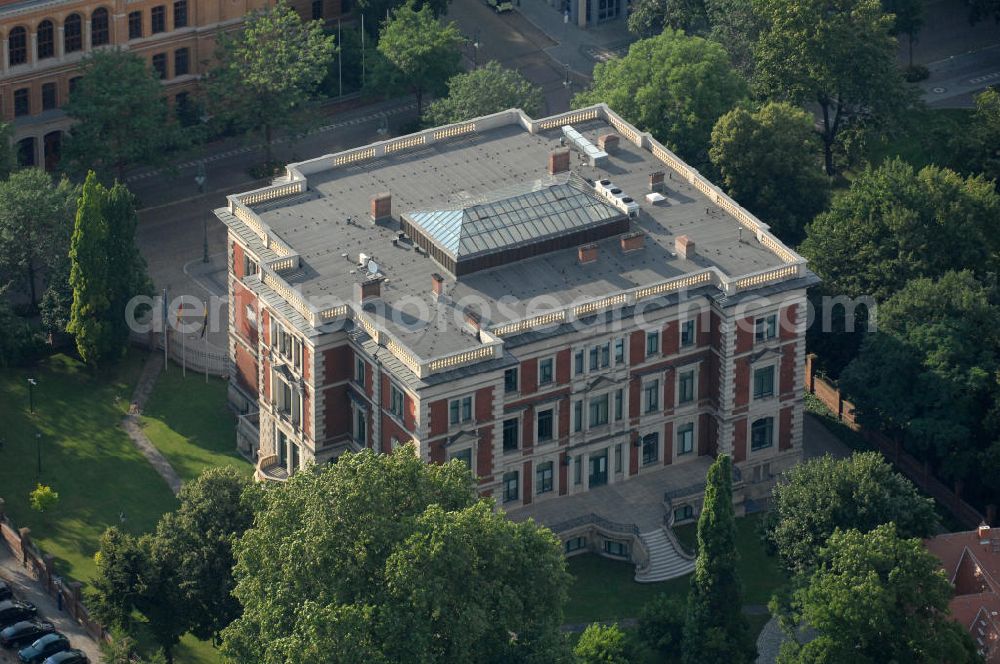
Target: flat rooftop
(329, 226)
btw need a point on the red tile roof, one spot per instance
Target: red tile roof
(971, 560)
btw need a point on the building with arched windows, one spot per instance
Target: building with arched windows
(43, 42)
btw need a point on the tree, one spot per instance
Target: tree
(89, 276)
(601, 644)
(36, 220)
(716, 629)
(8, 156)
(18, 342)
(57, 300)
(377, 11)
(661, 625)
(930, 372)
(121, 564)
(861, 492)
(127, 275)
(268, 71)
(649, 18)
(877, 597)
(489, 89)
(839, 55)
(424, 52)
(978, 148)
(908, 19)
(121, 118)
(43, 498)
(418, 579)
(671, 85)
(767, 161)
(215, 508)
(733, 24)
(893, 226)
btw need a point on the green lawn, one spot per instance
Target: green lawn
(604, 589)
(86, 458)
(188, 421)
(922, 137)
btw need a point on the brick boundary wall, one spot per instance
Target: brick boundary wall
(41, 564)
(918, 472)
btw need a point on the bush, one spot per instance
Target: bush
(20, 342)
(602, 645)
(661, 624)
(916, 73)
(43, 498)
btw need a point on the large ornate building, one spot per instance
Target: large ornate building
(44, 41)
(561, 304)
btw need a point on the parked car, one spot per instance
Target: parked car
(24, 632)
(12, 611)
(68, 657)
(5, 591)
(43, 648)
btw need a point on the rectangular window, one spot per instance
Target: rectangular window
(617, 549)
(650, 448)
(181, 62)
(606, 355)
(543, 477)
(619, 351)
(460, 410)
(396, 401)
(619, 404)
(687, 333)
(511, 434)
(577, 416)
(599, 411)
(510, 488)
(360, 427)
(359, 371)
(545, 422)
(578, 363)
(180, 14)
(575, 544)
(763, 382)
(685, 439)
(465, 456)
(135, 25)
(49, 96)
(684, 513)
(317, 10)
(578, 470)
(762, 433)
(652, 343)
(685, 387)
(466, 409)
(595, 358)
(22, 102)
(160, 65)
(510, 380)
(546, 370)
(618, 458)
(158, 19)
(766, 328)
(652, 390)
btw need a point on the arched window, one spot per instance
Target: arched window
(762, 433)
(52, 149)
(26, 152)
(17, 44)
(73, 33)
(46, 39)
(99, 33)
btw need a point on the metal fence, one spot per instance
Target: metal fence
(190, 352)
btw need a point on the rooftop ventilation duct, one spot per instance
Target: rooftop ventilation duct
(594, 155)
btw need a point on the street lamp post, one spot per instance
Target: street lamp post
(475, 53)
(38, 451)
(200, 178)
(31, 394)
(566, 81)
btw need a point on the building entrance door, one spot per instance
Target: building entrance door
(598, 469)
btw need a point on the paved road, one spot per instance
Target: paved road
(25, 588)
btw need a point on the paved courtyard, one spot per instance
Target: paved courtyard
(636, 501)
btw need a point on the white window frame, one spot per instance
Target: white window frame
(517, 431)
(555, 424)
(507, 498)
(538, 477)
(593, 401)
(693, 323)
(646, 409)
(769, 419)
(650, 334)
(642, 449)
(679, 450)
(693, 370)
(461, 408)
(394, 392)
(552, 379)
(768, 331)
(454, 454)
(753, 381)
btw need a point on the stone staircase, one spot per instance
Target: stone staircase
(665, 560)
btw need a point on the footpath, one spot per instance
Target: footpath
(133, 424)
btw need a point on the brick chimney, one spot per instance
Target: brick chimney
(559, 161)
(656, 181)
(368, 288)
(437, 285)
(381, 206)
(984, 532)
(608, 143)
(633, 241)
(684, 246)
(587, 253)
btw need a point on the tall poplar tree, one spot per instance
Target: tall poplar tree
(126, 267)
(716, 630)
(89, 274)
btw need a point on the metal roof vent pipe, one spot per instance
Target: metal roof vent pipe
(381, 207)
(587, 254)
